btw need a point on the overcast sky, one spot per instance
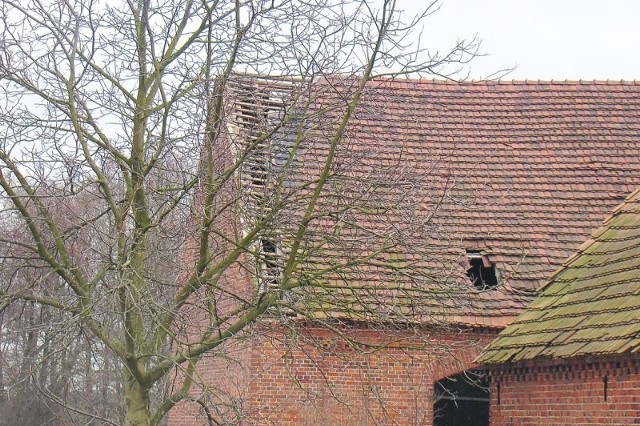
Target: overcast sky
(545, 39)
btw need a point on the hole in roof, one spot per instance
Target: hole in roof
(270, 269)
(482, 272)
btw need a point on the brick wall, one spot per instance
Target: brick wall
(219, 390)
(305, 375)
(571, 392)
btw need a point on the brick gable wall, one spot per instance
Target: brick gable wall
(308, 375)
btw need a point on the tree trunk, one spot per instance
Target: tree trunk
(3, 391)
(137, 401)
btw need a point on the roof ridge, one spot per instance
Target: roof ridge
(423, 80)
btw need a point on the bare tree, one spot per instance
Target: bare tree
(129, 147)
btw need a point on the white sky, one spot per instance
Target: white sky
(545, 39)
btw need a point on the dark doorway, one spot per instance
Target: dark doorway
(461, 400)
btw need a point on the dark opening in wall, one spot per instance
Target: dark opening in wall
(461, 400)
(482, 272)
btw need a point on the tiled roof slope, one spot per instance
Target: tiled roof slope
(591, 306)
(530, 168)
(522, 171)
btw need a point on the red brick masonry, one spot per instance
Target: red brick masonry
(311, 376)
(578, 391)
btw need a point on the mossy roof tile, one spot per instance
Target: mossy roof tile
(590, 306)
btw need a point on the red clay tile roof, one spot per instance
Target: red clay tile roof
(522, 171)
(591, 306)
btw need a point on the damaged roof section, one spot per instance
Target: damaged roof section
(591, 306)
(520, 172)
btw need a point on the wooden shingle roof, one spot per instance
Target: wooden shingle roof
(591, 306)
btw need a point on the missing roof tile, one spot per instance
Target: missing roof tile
(482, 272)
